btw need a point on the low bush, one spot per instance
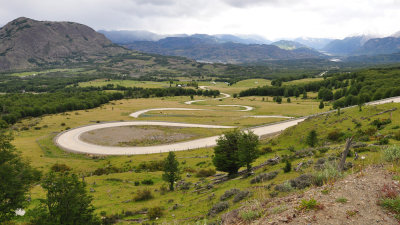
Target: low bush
(250, 215)
(264, 177)
(148, 182)
(205, 172)
(217, 208)
(341, 200)
(241, 195)
(311, 204)
(303, 153)
(392, 153)
(285, 187)
(151, 166)
(335, 135)
(229, 193)
(60, 168)
(265, 150)
(154, 213)
(143, 195)
(329, 172)
(303, 181)
(380, 123)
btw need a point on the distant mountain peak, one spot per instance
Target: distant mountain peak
(27, 43)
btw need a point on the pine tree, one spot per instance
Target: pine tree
(312, 138)
(171, 170)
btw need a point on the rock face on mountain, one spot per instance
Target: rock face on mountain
(213, 50)
(27, 43)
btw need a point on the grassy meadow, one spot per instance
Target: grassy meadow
(114, 192)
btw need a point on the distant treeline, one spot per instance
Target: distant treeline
(345, 89)
(16, 106)
(138, 92)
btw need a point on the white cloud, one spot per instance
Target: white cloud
(269, 18)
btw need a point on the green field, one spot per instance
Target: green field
(113, 192)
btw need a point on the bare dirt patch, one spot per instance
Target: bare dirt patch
(138, 135)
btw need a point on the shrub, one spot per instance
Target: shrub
(380, 123)
(383, 141)
(183, 185)
(288, 167)
(250, 215)
(205, 172)
(285, 187)
(154, 213)
(392, 153)
(396, 135)
(241, 195)
(217, 208)
(148, 182)
(341, 200)
(323, 150)
(62, 124)
(143, 195)
(137, 183)
(264, 177)
(304, 153)
(151, 166)
(328, 173)
(311, 204)
(229, 193)
(60, 168)
(303, 181)
(335, 135)
(265, 150)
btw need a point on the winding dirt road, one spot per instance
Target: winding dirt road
(70, 141)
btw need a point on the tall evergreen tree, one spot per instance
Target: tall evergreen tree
(171, 170)
(312, 138)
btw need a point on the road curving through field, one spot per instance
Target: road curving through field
(70, 141)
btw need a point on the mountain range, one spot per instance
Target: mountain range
(349, 46)
(210, 49)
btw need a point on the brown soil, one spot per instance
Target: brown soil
(135, 136)
(362, 190)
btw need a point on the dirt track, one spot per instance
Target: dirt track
(70, 140)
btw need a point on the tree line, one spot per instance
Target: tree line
(344, 89)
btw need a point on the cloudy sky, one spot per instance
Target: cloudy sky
(271, 19)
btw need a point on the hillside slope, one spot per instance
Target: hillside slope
(27, 43)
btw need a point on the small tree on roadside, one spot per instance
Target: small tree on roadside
(312, 138)
(16, 178)
(67, 201)
(226, 153)
(288, 100)
(247, 145)
(171, 170)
